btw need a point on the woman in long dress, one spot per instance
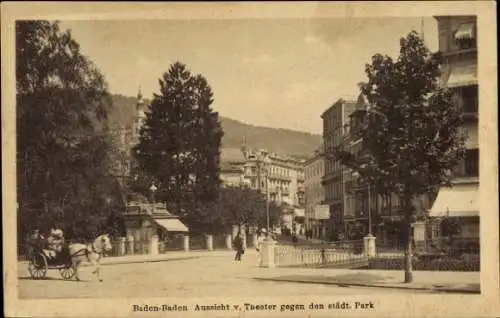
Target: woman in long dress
(260, 242)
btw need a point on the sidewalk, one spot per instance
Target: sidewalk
(168, 256)
(450, 282)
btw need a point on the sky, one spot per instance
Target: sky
(281, 73)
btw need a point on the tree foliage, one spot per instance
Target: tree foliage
(411, 137)
(233, 206)
(62, 141)
(180, 140)
(411, 133)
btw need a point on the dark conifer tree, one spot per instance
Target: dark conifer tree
(180, 140)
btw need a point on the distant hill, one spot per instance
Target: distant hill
(281, 141)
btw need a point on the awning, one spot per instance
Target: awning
(460, 200)
(463, 75)
(172, 225)
(465, 31)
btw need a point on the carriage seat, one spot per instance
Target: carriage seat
(52, 253)
(58, 256)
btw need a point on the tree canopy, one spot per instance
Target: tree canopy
(62, 140)
(411, 132)
(180, 140)
(233, 206)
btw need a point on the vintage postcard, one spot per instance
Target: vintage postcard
(248, 159)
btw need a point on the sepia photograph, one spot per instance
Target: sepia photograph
(235, 165)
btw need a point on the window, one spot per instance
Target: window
(469, 99)
(472, 162)
(435, 231)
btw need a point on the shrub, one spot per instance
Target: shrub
(440, 264)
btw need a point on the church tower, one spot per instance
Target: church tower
(140, 116)
(138, 121)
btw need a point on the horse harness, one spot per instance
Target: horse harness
(86, 251)
(93, 249)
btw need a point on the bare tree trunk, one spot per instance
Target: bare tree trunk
(408, 253)
(408, 241)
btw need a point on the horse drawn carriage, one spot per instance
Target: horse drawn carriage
(66, 258)
(41, 259)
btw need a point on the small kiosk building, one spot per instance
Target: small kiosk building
(147, 222)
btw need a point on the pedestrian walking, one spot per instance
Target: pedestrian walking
(294, 239)
(238, 246)
(260, 242)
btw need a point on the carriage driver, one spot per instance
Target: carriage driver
(56, 240)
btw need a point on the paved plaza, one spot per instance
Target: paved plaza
(193, 274)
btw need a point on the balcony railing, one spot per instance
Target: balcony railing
(279, 176)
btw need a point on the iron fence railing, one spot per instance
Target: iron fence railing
(337, 253)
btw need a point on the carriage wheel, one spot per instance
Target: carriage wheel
(38, 266)
(67, 272)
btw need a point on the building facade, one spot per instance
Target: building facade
(231, 175)
(232, 163)
(363, 203)
(279, 178)
(458, 44)
(316, 213)
(335, 121)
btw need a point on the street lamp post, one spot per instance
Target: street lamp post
(369, 240)
(356, 174)
(369, 210)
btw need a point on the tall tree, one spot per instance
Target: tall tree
(62, 103)
(180, 140)
(412, 134)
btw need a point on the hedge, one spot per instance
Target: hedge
(442, 264)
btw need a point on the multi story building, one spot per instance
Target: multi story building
(280, 178)
(335, 119)
(363, 203)
(316, 213)
(232, 168)
(458, 44)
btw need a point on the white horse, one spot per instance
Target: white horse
(91, 253)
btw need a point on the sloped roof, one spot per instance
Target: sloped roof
(231, 155)
(227, 167)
